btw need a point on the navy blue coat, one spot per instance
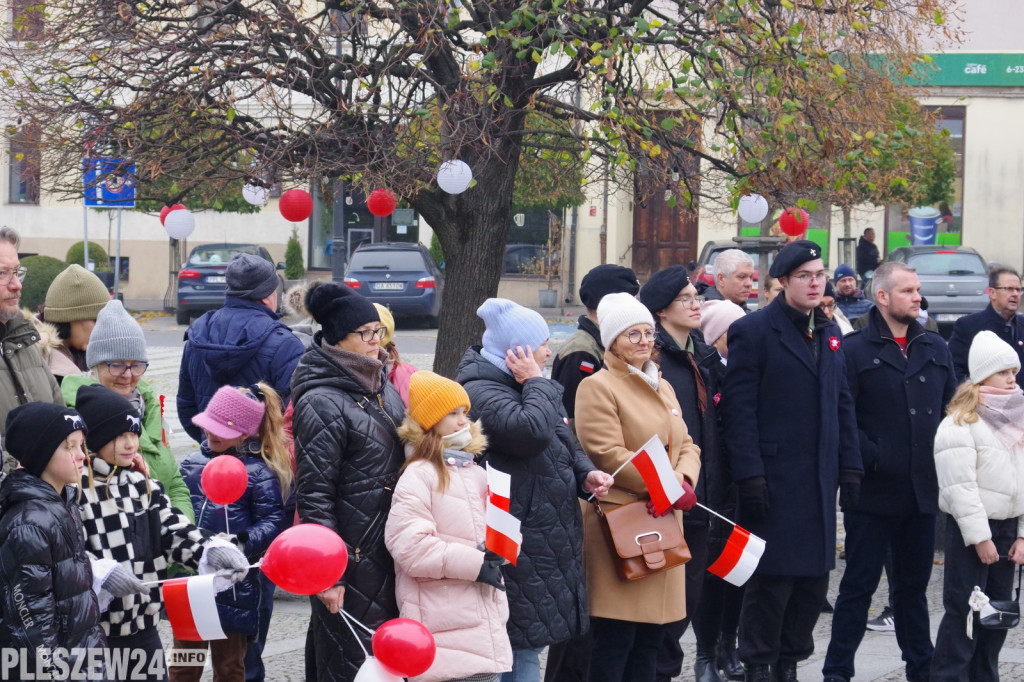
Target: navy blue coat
(791, 421)
(258, 517)
(899, 403)
(239, 344)
(968, 326)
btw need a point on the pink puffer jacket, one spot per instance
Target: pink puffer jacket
(434, 539)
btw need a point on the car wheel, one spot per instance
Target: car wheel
(432, 321)
(182, 315)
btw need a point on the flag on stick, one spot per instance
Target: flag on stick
(503, 530)
(740, 557)
(191, 608)
(499, 488)
(652, 462)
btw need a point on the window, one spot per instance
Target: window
(948, 263)
(533, 243)
(24, 162)
(387, 259)
(27, 19)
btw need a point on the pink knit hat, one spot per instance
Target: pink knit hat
(231, 413)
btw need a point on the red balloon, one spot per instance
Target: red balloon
(167, 209)
(224, 479)
(296, 205)
(404, 647)
(794, 221)
(305, 559)
(381, 203)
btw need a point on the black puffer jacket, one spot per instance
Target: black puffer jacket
(529, 438)
(348, 455)
(45, 574)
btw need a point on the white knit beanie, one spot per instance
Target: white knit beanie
(990, 354)
(618, 312)
(715, 318)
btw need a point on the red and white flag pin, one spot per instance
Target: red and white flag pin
(504, 536)
(192, 609)
(740, 557)
(587, 367)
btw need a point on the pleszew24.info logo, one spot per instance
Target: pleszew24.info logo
(92, 664)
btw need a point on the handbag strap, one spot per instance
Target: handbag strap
(1020, 569)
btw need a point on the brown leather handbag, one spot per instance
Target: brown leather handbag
(641, 544)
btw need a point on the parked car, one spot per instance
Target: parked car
(398, 275)
(201, 280)
(953, 279)
(703, 269)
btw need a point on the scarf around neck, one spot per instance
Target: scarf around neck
(1003, 410)
(367, 371)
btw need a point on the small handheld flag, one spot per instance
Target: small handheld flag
(740, 557)
(652, 462)
(192, 609)
(504, 537)
(499, 488)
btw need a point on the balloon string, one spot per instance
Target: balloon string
(368, 630)
(345, 617)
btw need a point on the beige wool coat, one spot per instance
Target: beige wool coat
(616, 413)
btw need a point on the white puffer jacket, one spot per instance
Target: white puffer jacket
(979, 479)
(434, 539)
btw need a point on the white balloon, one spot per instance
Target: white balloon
(753, 208)
(255, 195)
(373, 671)
(180, 223)
(454, 176)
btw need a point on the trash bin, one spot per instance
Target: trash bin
(924, 224)
(548, 298)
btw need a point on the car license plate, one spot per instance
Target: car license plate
(388, 286)
(948, 317)
(216, 279)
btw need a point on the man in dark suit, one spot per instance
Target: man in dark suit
(901, 377)
(867, 257)
(791, 441)
(1000, 316)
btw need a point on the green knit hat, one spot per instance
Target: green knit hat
(75, 294)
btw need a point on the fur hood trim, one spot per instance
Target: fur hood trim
(49, 340)
(411, 434)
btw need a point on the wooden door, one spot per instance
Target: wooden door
(662, 236)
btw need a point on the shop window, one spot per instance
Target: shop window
(533, 243)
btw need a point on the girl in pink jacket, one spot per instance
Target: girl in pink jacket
(435, 532)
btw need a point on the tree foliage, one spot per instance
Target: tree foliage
(671, 98)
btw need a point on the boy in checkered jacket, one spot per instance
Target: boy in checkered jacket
(129, 518)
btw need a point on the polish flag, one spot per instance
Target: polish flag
(503, 533)
(191, 608)
(499, 488)
(740, 557)
(652, 462)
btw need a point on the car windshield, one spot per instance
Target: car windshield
(947, 263)
(214, 255)
(380, 259)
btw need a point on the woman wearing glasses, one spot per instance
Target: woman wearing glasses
(348, 455)
(617, 412)
(117, 359)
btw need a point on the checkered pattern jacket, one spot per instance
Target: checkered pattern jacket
(128, 518)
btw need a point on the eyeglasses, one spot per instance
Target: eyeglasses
(119, 369)
(827, 306)
(635, 335)
(688, 301)
(805, 277)
(7, 275)
(367, 334)
(1012, 290)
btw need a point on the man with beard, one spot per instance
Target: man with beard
(901, 377)
(849, 298)
(1000, 316)
(24, 375)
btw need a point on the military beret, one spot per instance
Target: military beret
(607, 279)
(663, 287)
(792, 256)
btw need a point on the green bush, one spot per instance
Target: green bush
(435, 251)
(42, 270)
(97, 255)
(293, 267)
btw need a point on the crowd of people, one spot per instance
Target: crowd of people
(768, 418)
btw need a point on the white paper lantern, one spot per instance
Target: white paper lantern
(180, 223)
(255, 195)
(753, 208)
(454, 176)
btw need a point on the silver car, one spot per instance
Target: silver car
(953, 279)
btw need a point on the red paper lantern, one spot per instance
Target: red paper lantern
(794, 221)
(381, 202)
(296, 205)
(167, 209)
(305, 559)
(224, 479)
(404, 647)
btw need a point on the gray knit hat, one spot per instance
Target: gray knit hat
(75, 294)
(251, 277)
(116, 336)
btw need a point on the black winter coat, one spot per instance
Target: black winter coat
(46, 597)
(348, 455)
(968, 326)
(257, 517)
(529, 438)
(899, 403)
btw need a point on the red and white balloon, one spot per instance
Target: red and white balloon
(454, 177)
(257, 195)
(179, 223)
(381, 203)
(794, 221)
(296, 205)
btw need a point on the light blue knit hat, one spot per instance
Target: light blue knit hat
(509, 325)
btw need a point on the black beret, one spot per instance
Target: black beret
(607, 279)
(663, 287)
(339, 310)
(792, 256)
(829, 290)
